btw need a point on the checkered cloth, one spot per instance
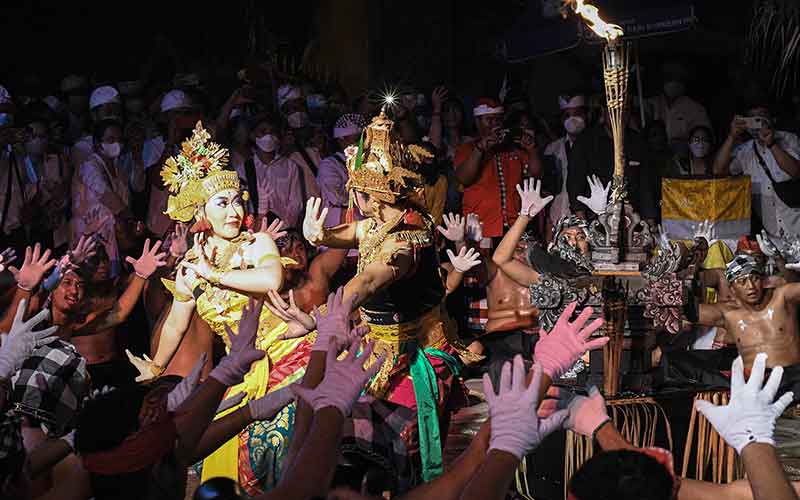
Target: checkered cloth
(10, 435)
(64, 372)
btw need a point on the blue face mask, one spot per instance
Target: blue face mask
(6, 120)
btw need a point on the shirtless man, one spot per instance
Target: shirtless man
(510, 328)
(757, 319)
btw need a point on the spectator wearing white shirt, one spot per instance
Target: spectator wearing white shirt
(273, 181)
(766, 156)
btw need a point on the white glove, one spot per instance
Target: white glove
(598, 195)
(270, 404)
(705, 230)
(186, 387)
(663, 238)
(453, 228)
(69, 439)
(516, 427)
(465, 260)
(314, 221)
(18, 345)
(750, 415)
(474, 228)
(767, 246)
(531, 201)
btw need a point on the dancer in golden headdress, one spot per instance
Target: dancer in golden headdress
(224, 268)
(400, 293)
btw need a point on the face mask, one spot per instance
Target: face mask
(574, 125)
(36, 146)
(699, 149)
(267, 143)
(298, 119)
(6, 120)
(112, 150)
(674, 89)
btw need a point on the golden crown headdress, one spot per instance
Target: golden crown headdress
(382, 165)
(196, 174)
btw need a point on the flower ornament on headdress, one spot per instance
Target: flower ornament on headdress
(196, 174)
(383, 166)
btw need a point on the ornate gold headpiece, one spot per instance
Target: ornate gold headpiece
(196, 174)
(383, 166)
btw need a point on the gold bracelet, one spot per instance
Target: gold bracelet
(215, 277)
(156, 369)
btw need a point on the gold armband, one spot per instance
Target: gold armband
(156, 370)
(215, 277)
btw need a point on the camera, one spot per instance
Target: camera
(507, 138)
(754, 124)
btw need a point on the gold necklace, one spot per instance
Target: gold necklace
(373, 242)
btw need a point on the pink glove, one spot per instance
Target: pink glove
(233, 367)
(186, 387)
(335, 323)
(343, 380)
(586, 415)
(561, 348)
(269, 405)
(516, 428)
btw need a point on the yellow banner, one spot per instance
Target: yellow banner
(725, 199)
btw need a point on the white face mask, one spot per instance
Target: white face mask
(298, 119)
(674, 89)
(700, 149)
(112, 150)
(267, 143)
(574, 125)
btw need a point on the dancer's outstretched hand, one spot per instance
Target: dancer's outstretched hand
(516, 427)
(299, 323)
(750, 415)
(343, 381)
(558, 350)
(314, 222)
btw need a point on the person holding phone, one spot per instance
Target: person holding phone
(754, 148)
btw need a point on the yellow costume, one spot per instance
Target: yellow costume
(253, 457)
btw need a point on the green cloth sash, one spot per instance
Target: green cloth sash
(426, 392)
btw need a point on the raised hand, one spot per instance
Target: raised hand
(453, 228)
(34, 267)
(663, 238)
(598, 195)
(343, 380)
(21, 341)
(314, 222)
(335, 323)
(586, 414)
(558, 350)
(438, 97)
(233, 367)
(465, 260)
(274, 230)
(84, 250)
(750, 415)
(705, 230)
(531, 201)
(267, 406)
(516, 427)
(150, 260)
(7, 256)
(298, 321)
(474, 228)
(179, 244)
(202, 267)
(186, 387)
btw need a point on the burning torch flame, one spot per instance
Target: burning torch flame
(591, 15)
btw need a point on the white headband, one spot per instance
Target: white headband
(483, 109)
(574, 102)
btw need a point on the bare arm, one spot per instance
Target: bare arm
(119, 312)
(8, 316)
(767, 479)
(378, 275)
(787, 162)
(47, 455)
(175, 326)
(220, 431)
(194, 416)
(454, 278)
(722, 161)
(493, 478)
(469, 171)
(710, 315)
(792, 293)
(315, 464)
(341, 236)
(503, 256)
